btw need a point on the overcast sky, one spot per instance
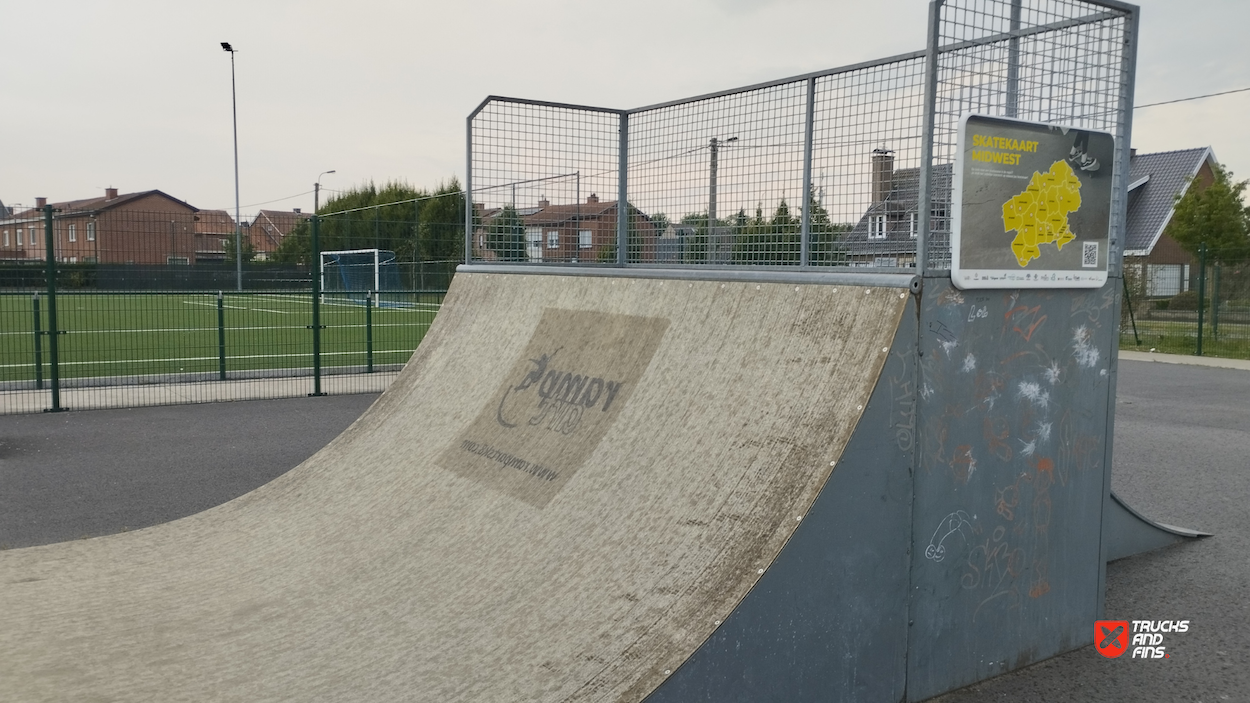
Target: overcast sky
(136, 94)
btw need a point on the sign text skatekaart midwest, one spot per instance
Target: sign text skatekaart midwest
(556, 403)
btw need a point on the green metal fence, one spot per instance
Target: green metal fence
(150, 311)
(1207, 313)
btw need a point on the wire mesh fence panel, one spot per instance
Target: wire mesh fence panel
(719, 180)
(866, 152)
(544, 181)
(1162, 312)
(152, 307)
(1063, 62)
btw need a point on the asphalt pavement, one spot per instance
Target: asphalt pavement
(1182, 456)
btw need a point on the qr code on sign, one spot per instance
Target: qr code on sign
(1089, 254)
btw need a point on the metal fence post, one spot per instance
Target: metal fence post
(54, 368)
(925, 196)
(221, 335)
(622, 193)
(805, 234)
(369, 332)
(316, 303)
(1215, 301)
(38, 344)
(1202, 290)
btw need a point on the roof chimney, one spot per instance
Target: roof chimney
(882, 174)
(110, 193)
(543, 201)
(1132, 152)
(592, 199)
(41, 202)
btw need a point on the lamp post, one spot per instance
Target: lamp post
(238, 225)
(713, 238)
(317, 190)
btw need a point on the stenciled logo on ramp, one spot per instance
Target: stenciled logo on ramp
(557, 402)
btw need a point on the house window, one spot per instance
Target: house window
(584, 239)
(90, 231)
(876, 226)
(73, 233)
(31, 238)
(553, 240)
(914, 223)
(19, 236)
(6, 237)
(534, 243)
(178, 261)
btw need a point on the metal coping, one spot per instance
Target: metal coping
(845, 278)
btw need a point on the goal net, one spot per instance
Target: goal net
(354, 275)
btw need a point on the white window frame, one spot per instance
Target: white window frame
(178, 261)
(534, 243)
(553, 239)
(914, 223)
(73, 232)
(90, 231)
(19, 237)
(876, 227)
(585, 239)
(6, 238)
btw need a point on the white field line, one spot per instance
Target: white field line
(228, 329)
(211, 358)
(236, 307)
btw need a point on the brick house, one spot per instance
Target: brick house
(885, 235)
(578, 232)
(270, 227)
(148, 227)
(1153, 261)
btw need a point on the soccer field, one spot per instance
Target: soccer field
(126, 335)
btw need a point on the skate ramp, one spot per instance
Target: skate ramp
(570, 487)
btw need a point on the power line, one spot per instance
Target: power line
(1196, 97)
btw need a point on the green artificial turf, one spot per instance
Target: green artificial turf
(110, 335)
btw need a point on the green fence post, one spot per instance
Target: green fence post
(221, 335)
(54, 369)
(1202, 289)
(38, 345)
(1215, 302)
(369, 332)
(316, 304)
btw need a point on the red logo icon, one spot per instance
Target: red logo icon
(1111, 637)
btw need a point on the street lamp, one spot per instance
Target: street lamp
(238, 225)
(317, 190)
(714, 239)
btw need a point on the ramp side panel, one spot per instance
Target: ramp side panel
(1009, 489)
(1129, 533)
(828, 619)
(374, 572)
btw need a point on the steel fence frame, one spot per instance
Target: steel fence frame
(1070, 62)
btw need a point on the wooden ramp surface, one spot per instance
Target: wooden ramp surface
(571, 485)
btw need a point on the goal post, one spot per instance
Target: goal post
(352, 274)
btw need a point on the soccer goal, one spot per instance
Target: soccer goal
(351, 275)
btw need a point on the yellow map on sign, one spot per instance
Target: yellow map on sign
(1039, 215)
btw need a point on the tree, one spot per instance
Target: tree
(414, 223)
(505, 235)
(774, 241)
(1214, 216)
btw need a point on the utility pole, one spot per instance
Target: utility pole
(713, 238)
